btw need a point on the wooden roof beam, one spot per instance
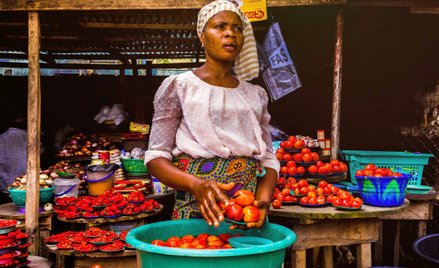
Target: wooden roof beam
(424, 10)
(394, 3)
(60, 5)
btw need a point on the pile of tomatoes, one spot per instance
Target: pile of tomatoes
(111, 204)
(371, 170)
(241, 208)
(301, 192)
(90, 240)
(201, 241)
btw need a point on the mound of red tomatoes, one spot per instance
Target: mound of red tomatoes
(371, 170)
(201, 241)
(241, 207)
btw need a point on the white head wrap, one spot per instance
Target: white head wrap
(246, 64)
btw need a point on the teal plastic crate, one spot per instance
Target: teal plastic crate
(404, 162)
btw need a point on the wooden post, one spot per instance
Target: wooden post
(337, 86)
(33, 134)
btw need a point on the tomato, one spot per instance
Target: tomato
(315, 156)
(319, 191)
(294, 199)
(281, 181)
(279, 196)
(336, 168)
(291, 164)
(199, 243)
(283, 144)
(202, 236)
(322, 184)
(343, 194)
(343, 167)
(328, 167)
(186, 245)
(302, 183)
(288, 198)
(284, 170)
(322, 170)
(368, 172)
(214, 241)
(321, 200)
(234, 212)
(289, 144)
(286, 191)
(327, 190)
(279, 156)
(298, 157)
(312, 169)
(158, 242)
(305, 150)
(304, 200)
(287, 157)
(307, 157)
(345, 203)
(312, 201)
(244, 197)
(312, 194)
(276, 204)
(187, 239)
(280, 151)
(359, 173)
(358, 199)
(173, 241)
(304, 190)
(355, 204)
(380, 171)
(370, 166)
(96, 266)
(300, 170)
(336, 201)
(251, 213)
(319, 164)
(292, 139)
(334, 162)
(292, 170)
(299, 144)
(291, 180)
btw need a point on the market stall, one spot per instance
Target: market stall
(34, 92)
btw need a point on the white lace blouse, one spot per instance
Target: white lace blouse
(202, 120)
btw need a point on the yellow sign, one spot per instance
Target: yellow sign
(254, 10)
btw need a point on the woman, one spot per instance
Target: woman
(215, 123)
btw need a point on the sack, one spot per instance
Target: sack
(278, 69)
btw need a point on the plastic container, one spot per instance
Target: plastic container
(19, 196)
(404, 162)
(427, 251)
(66, 187)
(383, 191)
(134, 166)
(264, 256)
(100, 178)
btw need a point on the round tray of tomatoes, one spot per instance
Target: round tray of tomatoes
(348, 208)
(85, 247)
(65, 245)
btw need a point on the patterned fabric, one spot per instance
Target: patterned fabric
(241, 170)
(246, 64)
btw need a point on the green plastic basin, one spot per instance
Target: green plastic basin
(19, 196)
(263, 256)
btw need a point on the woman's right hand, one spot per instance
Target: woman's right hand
(208, 193)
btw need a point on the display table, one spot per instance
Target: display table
(140, 219)
(123, 259)
(10, 211)
(327, 227)
(419, 211)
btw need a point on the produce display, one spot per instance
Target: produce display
(91, 240)
(13, 245)
(289, 192)
(84, 145)
(45, 181)
(109, 205)
(201, 241)
(241, 209)
(371, 170)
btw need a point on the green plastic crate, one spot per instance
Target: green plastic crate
(404, 162)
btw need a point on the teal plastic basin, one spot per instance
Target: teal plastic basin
(263, 256)
(19, 196)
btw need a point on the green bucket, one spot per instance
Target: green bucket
(263, 256)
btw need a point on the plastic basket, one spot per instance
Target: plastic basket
(404, 162)
(134, 166)
(263, 256)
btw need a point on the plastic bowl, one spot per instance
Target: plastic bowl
(136, 166)
(263, 256)
(19, 196)
(383, 191)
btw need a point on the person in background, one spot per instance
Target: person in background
(215, 123)
(13, 155)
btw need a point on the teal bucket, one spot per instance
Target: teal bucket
(263, 256)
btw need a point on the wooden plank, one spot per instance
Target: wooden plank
(424, 10)
(137, 26)
(394, 3)
(337, 87)
(298, 259)
(364, 255)
(378, 246)
(328, 259)
(335, 233)
(416, 211)
(396, 245)
(46, 5)
(101, 66)
(33, 134)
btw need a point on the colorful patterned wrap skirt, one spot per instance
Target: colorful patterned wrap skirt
(240, 170)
